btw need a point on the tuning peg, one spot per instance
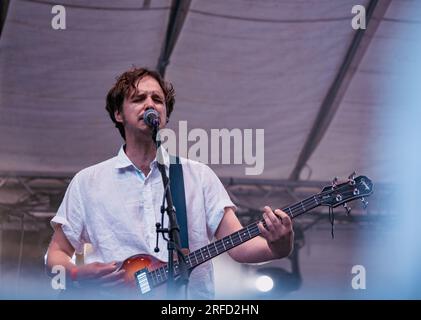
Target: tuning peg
(348, 209)
(365, 203)
(334, 182)
(351, 178)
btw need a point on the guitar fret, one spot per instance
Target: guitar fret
(195, 258)
(216, 248)
(302, 204)
(207, 252)
(243, 235)
(153, 278)
(198, 254)
(221, 246)
(204, 250)
(162, 270)
(235, 240)
(229, 243)
(211, 250)
(256, 230)
(248, 231)
(232, 238)
(159, 276)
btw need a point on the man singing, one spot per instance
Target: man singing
(114, 205)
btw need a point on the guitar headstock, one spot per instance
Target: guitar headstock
(337, 194)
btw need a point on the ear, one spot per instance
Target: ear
(118, 116)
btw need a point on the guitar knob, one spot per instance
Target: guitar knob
(351, 179)
(348, 209)
(334, 182)
(365, 203)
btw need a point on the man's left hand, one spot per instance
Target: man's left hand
(278, 232)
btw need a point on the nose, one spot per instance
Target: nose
(149, 103)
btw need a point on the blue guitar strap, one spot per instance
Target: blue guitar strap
(179, 198)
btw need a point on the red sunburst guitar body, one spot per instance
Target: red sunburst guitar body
(138, 262)
(132, 265)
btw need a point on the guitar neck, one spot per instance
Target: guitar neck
(220, 246)
(249, 232)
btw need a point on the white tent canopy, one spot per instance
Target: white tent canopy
(269, 65)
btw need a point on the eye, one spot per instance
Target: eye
(157, 99)
(139, 98)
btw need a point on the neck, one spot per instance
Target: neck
(141, 151)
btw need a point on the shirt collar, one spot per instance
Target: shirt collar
(123, 160)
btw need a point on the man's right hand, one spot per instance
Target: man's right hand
(98, 274)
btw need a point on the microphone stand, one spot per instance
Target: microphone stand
(173, 230)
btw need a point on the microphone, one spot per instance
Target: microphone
(151, 118)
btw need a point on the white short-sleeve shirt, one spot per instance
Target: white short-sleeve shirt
(114, 207)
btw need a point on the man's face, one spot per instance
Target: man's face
(149, 94)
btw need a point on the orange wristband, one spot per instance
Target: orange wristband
(73, 273)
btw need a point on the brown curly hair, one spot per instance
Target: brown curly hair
(124, 87)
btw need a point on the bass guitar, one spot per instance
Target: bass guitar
(146, 273)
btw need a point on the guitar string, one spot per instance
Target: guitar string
(198, 254)
(236, 240)
(295, 208)
(294, 211)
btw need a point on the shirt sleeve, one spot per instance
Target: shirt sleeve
(70, 216)
(216, 200)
